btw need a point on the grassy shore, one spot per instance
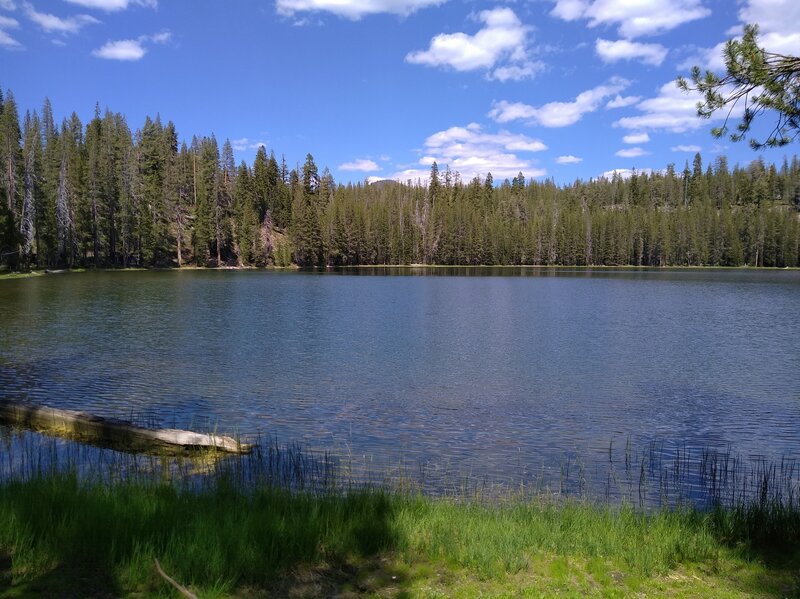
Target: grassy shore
(63, 537)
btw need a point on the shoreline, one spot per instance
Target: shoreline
(320, 269)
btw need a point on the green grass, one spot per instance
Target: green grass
(60, 536)
(20, 275)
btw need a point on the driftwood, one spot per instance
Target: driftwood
(181, 589)
(113, 432)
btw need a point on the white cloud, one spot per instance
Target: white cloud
(709, 58)
(242, 144)
(633, 17)
(6, 41)
(517, 72)
(112, 5)
(130, 50)
(457, 140)
(360, 164)
(631, 152)
(683, 148)
(569, 10)
(636, 138)
(778, 24)
(557, 114)
(53, 24)
(622, 102)
(354, 9)
(501, 42)
(161, 37)
(472, 152)
(569, 159)
(671, 110)
(625, 173)
(7, 5)
(778, 32)
(608, 51)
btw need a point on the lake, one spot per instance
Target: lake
(503, 374)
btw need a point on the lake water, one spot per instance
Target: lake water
(499, 373)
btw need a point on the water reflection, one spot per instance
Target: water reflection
(496, 372)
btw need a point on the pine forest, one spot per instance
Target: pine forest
(102, 195)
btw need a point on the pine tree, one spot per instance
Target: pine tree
(63, 215)
(183, 198)
(261, 183)
(47, 229)
(207, 181)
(310, 179)
(31, 187)
(11, 175)
(246, 217)
(226, 232)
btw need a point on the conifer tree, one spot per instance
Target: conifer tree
(206, 168)
(46, 225)
(31, 187)
(11, 164)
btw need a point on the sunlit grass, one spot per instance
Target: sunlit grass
(236, 533)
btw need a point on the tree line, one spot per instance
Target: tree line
(102, 195)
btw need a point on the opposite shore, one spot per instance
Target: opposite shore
(608, 268)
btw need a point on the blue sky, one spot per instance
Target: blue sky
(379, 88)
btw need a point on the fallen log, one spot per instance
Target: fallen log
(113, 432)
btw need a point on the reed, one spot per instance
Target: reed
(287, 521)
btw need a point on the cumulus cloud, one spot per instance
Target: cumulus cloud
(777, 21)
(130, 50)
(360, 164)
(709, 58)
(636, 138)
(622, 102)
(354, 9)
(631, 152)
(608, 51)
(472, 152)
(685, 148)
(54, 24)
(778, 32)
(671, 110)
(6, 41)
(569, 10)
(500, 43)
(569, 159)
(112, 5)
(633, 18)
(557, 114)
